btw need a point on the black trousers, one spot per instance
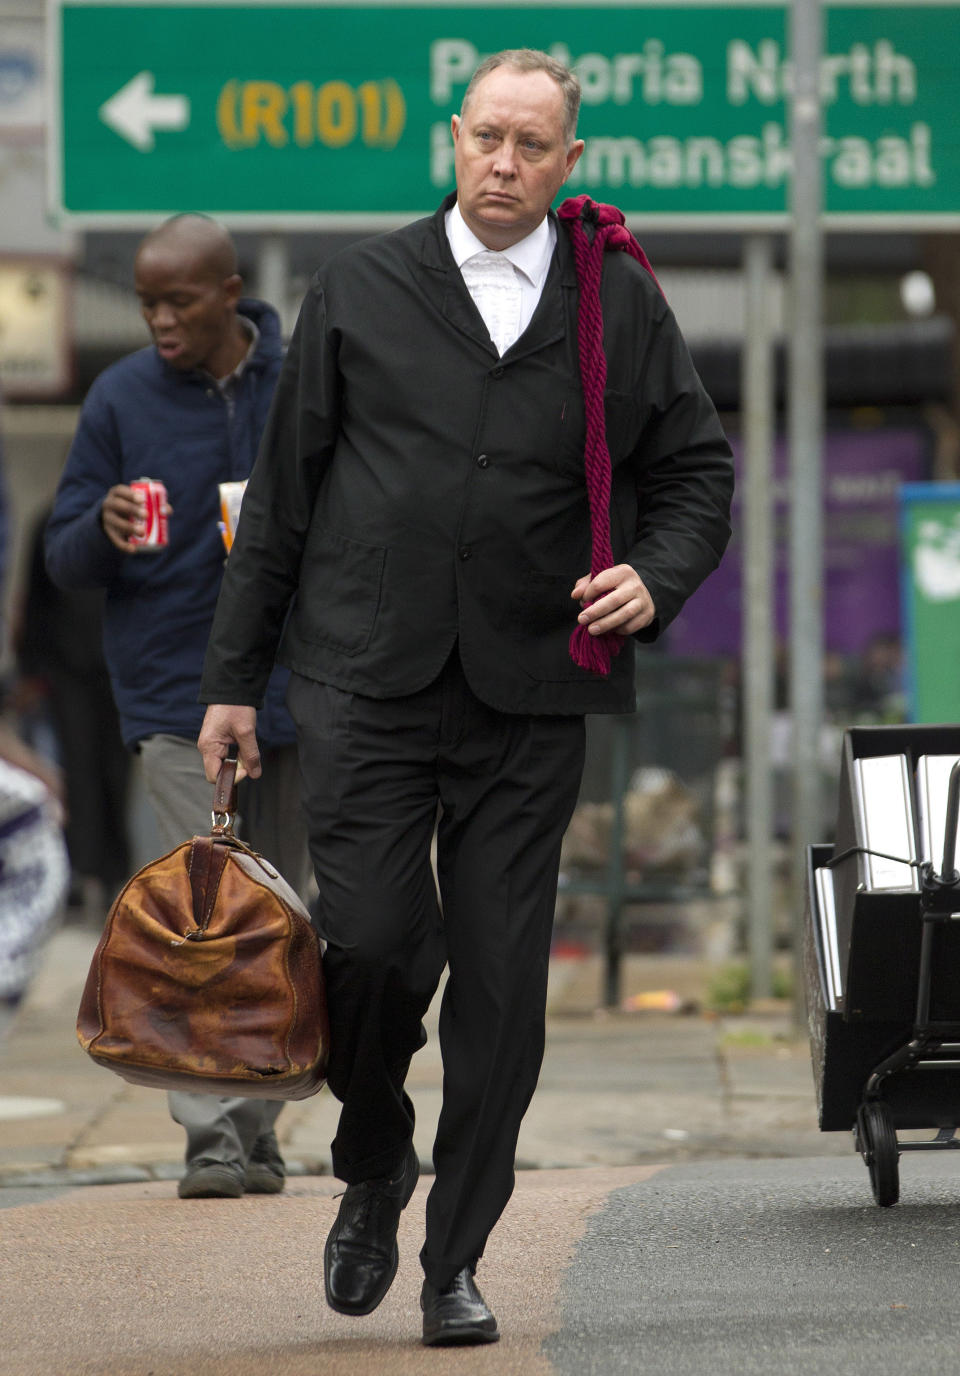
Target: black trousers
(375, 773)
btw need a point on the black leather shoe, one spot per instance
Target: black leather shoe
(456, 1314)
(360, 1257)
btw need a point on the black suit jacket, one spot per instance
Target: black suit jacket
(413, 488)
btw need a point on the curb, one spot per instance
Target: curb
(13, 1177)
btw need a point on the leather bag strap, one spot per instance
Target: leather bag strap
(207, 861)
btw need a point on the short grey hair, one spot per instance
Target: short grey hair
(533, 60)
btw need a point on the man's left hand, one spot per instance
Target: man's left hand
(619, 601)
(224, 725)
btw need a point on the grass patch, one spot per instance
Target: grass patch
(729, 988)
(749, 1038)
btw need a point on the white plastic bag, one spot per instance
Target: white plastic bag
(34, 873)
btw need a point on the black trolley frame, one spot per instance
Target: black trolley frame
(888, 1058)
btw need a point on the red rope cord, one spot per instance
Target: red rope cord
(589, 651)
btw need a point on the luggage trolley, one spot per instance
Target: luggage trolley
(882, 949)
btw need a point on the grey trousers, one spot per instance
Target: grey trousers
(271, 821)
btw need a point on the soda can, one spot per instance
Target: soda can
(154, 494)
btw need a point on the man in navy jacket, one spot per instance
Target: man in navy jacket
(420, 504)
(188, 410)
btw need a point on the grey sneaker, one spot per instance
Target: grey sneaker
(206, 1179)
(265, 1173)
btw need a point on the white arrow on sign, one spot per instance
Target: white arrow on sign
(135, 112)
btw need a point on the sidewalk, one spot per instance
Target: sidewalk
(617, 1089)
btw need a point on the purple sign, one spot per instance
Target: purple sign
(863, 470)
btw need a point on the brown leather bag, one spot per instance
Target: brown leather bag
(208, 974)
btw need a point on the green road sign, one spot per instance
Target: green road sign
(930, 572)
(283, 113)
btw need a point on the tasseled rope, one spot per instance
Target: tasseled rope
(595, 652)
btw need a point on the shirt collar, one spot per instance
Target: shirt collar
(253, 332)
(531, 255)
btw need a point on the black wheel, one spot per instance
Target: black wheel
(877, 1142)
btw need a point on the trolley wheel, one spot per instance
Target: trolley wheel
(877, 1143)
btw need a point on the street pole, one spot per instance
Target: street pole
(758, 616)
(805, 428)
(273, 275)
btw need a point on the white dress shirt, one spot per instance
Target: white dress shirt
(506, 286)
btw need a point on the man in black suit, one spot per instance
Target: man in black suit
(420, 507)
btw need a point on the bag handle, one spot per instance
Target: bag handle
(225, 796)
(225, 811)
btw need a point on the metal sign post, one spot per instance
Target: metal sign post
(757, 593)
(805, 406)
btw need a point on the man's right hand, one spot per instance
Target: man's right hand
(223, 726)
(122, 515)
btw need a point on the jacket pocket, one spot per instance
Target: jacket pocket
(622, 429)
(545, 616)
(340, 591)
(569, 435)
(624, 424)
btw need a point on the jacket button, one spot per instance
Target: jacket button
(465, 552)
(482, 461)
(496, 372)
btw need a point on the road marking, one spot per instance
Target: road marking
(12, 1107)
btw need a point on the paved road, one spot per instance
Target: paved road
(740, 1267)
(728, 1268)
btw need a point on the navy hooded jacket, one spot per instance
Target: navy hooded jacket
(143, 418)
